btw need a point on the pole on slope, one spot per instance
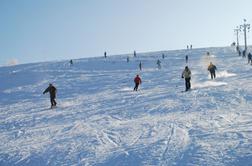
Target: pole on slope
(245, 27)
(237, 30)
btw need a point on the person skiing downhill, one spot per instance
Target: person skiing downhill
(159, 64)
(239, 52)
(134, 53)
(105, 54)
(127, 59)
(137, 81)
(52, 90)
(71, 62)
(186, 58)
(249, 58)
(140, 66)
(211, 68)
(244, 53)
(187, 75)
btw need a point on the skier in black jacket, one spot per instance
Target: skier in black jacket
(52, 90)
(211, 68)
(249, 58)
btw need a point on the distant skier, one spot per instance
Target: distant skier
(211, 68)
(163, 56)
(239, 52)
(187, 75)
(140, 66)
(244, 53)
(190, 46)
(237, 48)
(187, 47)
(127, 59)
(249, 58)
(137, 81)
(134, 53)
(186, 58)
(71, 62)
(52, 90)
(208, 53)
(105, 54)
(233, 44)
(159, 64)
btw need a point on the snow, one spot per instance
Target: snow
(100, 120)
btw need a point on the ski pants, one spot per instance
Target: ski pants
(136, 86)
(213, 75)
(187, 83)
(249, 60)
(53, 102)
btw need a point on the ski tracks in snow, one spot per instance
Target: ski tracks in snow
(102, 121)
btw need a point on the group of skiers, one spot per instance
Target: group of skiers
(158, 65)
(187, 47)
(243, 53)
(186, 74)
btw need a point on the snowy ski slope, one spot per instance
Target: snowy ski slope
(101, 121)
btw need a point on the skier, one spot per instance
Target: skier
(140, 66)
(186, 58)
(137, 81)
(134, 53)
(190, 46)
(239, 52)
(237, 48)
(187, 47)
(159, 64)
(211, 68)
(71, 62)
(208, 53)
(187, 75)
(105, 54)
(163, 56)
(244, 53)
(249, 57)
(127, 59)
(52, 90)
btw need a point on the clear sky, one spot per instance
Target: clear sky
(44, 30)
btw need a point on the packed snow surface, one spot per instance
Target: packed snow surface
(101, 121)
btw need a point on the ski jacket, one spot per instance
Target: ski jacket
(137, 80)
(249, 56)
(186, 73)
(52, 90)
(212, 68)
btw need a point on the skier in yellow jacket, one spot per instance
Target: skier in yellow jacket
(187, 75)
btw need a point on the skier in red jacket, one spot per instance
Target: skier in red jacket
(137, 81)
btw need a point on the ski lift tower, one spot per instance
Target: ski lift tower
(237, 30)
(245, 27)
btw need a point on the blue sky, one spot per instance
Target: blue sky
(44, 30)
